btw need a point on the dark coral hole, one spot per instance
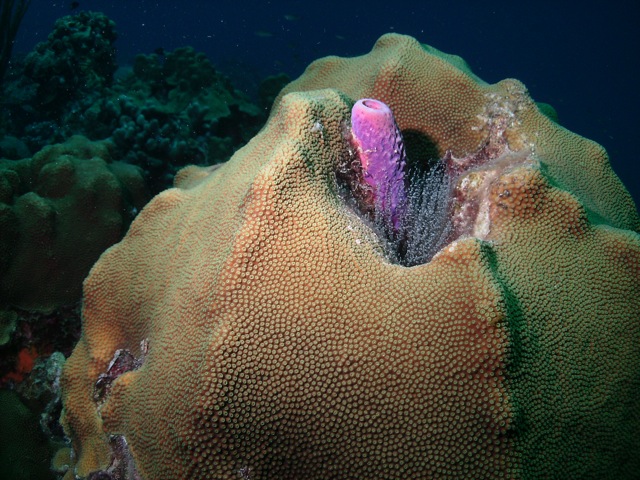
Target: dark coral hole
(426, 222)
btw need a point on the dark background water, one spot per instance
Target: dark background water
(581, 57)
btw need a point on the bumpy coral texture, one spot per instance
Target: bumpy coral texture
(59, 210)
(269, 336)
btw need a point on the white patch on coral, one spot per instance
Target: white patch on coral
(318, 128)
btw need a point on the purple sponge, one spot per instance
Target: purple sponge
(380, 148)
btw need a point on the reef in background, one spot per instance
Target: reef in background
(169, 110)
(84, 145)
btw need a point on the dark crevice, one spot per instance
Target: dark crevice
(425, 226)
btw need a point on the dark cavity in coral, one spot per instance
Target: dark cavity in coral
(123, 361)
(425, 226)
(122, 465)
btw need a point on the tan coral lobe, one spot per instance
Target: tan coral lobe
(281, 341)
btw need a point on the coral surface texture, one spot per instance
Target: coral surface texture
(59, 210)
(255, 322)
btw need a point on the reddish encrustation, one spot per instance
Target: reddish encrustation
(380, 148)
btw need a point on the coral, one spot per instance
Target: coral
(174, 111)
(33, 405)
(455, 108)
(178, 78)
(30, 430)
(59, 210)
(270, 88)
(77, 58)
(24, 365)
(168, 111)
(41, 391)
(31, 427)
(13, 148)
(252, 323)
(35, 337)
(46, 94)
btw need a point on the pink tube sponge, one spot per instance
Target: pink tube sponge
(380, 148)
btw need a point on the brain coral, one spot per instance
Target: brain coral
(252, 324)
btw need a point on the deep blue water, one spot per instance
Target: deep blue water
(581, 57)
